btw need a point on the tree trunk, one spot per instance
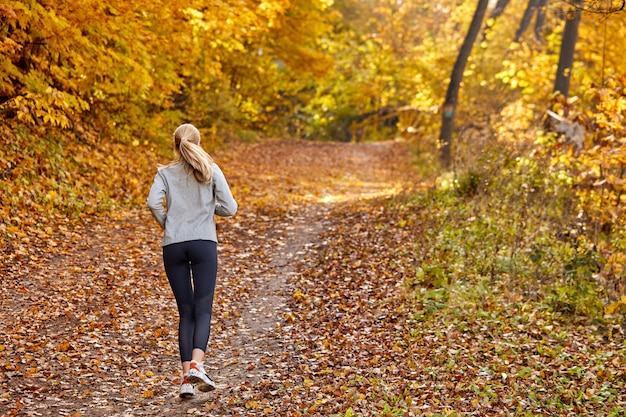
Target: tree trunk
(541, 18)
(452, 95)
(499, 9)
(568, 47)
(495, 13)
(528, 15)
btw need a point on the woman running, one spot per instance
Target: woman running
(195, 190)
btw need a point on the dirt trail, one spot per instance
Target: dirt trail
(299, 184)
(256, 344)
(91, 323)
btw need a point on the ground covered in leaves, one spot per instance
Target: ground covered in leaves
(318, 311)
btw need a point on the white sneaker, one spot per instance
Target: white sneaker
(197, 375)
(186, 388)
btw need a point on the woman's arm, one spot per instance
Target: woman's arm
(225, 204)
(155, 200)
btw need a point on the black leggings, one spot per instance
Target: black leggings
(197, 260)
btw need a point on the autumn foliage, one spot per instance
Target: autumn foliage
(497, 287)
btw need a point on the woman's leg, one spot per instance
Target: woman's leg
(203, 262)
(178, 272)
(183, 262)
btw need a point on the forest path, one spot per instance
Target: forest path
(291, 188)
(91, 323)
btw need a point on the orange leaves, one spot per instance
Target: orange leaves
(117, 69)
(7, 12)
(49, 183)
(311, 315)
(64, 346)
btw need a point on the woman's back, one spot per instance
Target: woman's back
(191, 205)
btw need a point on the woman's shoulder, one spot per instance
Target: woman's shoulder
(171, 167)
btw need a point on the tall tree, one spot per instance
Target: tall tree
(534, 7)
(531, 8)
(541, 18)
(568, 47)
(452, 94)
(497, 11)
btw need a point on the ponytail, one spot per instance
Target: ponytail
(198, 159)
(187, 143)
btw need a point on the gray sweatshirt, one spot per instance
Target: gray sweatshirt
(191, 206)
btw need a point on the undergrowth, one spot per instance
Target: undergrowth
(516, 230)
(47, 179)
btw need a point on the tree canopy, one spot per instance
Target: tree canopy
(83, 85)
(132, 69)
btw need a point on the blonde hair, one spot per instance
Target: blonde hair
(187, 144)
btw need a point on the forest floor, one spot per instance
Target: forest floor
(314, 312)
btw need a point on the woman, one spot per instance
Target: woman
(195, 190)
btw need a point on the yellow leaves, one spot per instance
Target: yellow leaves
(9, 46)
(52, 195)
(129, 60)
(402, 223)
(326, 3)
(271, 10)
(513, 75)
(616, 307)
(197, 19)
(252, 404)
(300, 296)
(50, 106)
(262, 405)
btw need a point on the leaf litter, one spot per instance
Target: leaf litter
(312, 313)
